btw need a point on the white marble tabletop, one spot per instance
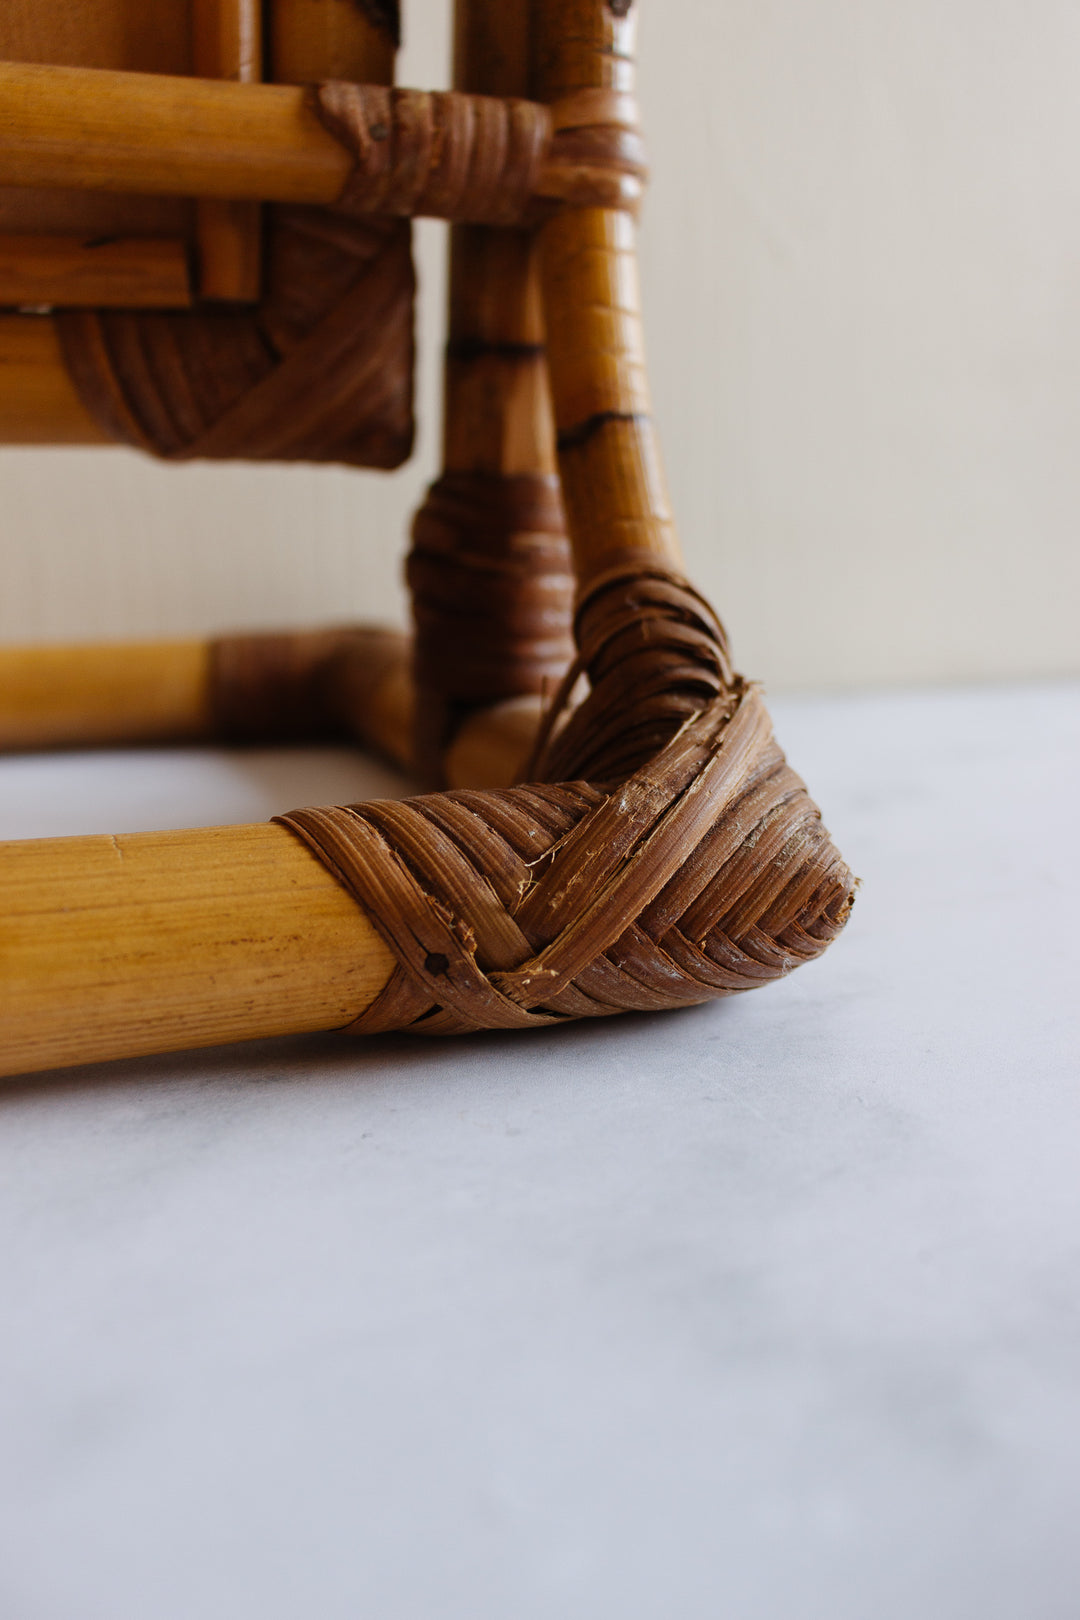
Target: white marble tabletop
(767, 1310)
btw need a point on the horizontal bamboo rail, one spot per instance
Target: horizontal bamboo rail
(128, 692)
(119, 273)
(155, 134)
(155, 942)
(98, 693)
(160, 135)
(152, 942)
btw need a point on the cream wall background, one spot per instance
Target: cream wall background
(861, 266)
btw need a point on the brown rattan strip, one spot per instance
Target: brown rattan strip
(439, 153)
(693, 864)
(492, 594)
(321, 370)
(298, 686)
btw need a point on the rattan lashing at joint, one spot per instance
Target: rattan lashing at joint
(484, 160)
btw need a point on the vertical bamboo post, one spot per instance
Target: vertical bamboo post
(609, 456)
(227, 44)
(497, 502)
(332, 39)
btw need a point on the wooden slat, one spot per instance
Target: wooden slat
(38, 402)
(228, 45)
(112, 273)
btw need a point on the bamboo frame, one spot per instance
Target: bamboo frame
(179, 889)
(166, 136)
(227, 44)
(232, 933)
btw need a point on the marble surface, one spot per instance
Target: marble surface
(765, 1309)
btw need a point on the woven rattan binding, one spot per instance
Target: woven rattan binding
(663, 854)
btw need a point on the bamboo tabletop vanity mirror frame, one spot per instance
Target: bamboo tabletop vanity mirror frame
(204, 251)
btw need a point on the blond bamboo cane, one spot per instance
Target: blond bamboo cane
(152, 133)
(160, 135)
(152, 942)
(497, 419)
(227, 44)
(89, 695)
(497, 405)
(616, 497)
(126, 692)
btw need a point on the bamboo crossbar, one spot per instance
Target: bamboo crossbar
(157, 134)
(163, 135)
(124, 693)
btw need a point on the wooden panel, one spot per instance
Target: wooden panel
(148, 36)
(38, 404)
(125, 273)
(228, 45)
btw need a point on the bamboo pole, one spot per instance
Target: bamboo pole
(227, 44)
(95, 129)
(613, 481)
(497, 419)
(159, 135)
(108, 692)
(133, 272)
(153, 942)
(497, 405)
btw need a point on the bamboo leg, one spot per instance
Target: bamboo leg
(228, 45)
(122, 693)
(616, 497)
(158, 135)
(498, 461)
